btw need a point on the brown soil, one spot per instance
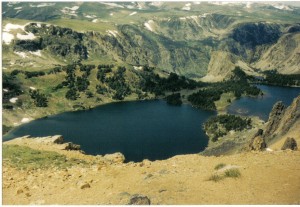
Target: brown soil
(266, 178)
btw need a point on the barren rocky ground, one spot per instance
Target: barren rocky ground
(265, 178)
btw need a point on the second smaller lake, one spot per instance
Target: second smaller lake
(262, 106)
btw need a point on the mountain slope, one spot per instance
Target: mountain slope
(185, 38)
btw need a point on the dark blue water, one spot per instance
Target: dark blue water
(262, 105)
(146, 130)
(140, 130)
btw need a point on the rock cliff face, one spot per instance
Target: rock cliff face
(284, 55)
(282, 119)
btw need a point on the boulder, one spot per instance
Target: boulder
(139, 200)
(83, 184)
(57, 139)
(257, 144)
(290, 143)
(115, 158)
(69, 146)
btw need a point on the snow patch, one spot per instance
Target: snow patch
(13, 100)
(130, 7)
(7, 37)
(25, 120)
(95, 20)
(21, 54)
(140, 6)
(8, 27)
(187, 7)
(137, 67)
(90, 16)
(70, 11)
(148, 25)
(220, 3)
(112, 4)
(249, 5)
(74, 8)
(282, 7)
(156, 3)
(42, 5)
(133, 13)
(37, 53)
(112, 32)
(204, 15)
(29, 36)
(5, 90)
(18, 8)
(32, 88)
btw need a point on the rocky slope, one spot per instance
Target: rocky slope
(283, 121)
(178, 180)
(139, 34)
(250, 47)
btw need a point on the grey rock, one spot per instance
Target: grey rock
(138, 199)
(290, 143)
(257, 144)
(274, 120)
(71, 146)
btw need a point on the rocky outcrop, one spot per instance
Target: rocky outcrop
(257, 144)
(139, 200)
(290, 143)
(283, 55)
(274, 119)
(282, 119)
(115, 158)
(70, 146)
(219, 70)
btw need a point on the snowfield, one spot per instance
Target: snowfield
(8, 27)
(112, 32)
(28, 36)
(187, 7)
(7, 37)
(133, 13)
(37, 53)
(13, 100)
(21, 54)
(148, 25)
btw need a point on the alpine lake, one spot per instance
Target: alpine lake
(142, 130)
